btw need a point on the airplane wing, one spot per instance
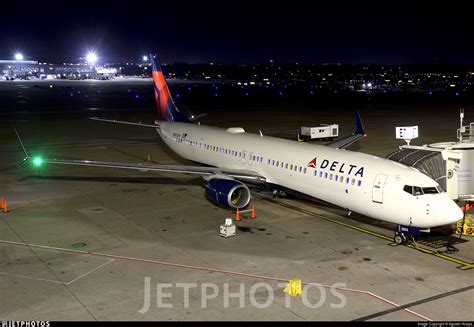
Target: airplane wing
(196, 170)
(348, 140)
(245, 175)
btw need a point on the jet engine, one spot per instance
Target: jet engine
(228, 193)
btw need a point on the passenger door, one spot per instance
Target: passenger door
(377, 190)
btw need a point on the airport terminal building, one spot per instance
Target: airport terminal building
(25, 69)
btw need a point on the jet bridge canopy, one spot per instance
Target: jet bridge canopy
(430, 163)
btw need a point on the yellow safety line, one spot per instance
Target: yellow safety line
(463, 264)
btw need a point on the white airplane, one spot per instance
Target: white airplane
(366, 184)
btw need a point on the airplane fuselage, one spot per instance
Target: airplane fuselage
(358, 182)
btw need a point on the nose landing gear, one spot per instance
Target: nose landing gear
(400, 238)
(404, 233)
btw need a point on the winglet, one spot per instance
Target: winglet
(27, 157)
(358, 124)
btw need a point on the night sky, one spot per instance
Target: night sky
(240, 31)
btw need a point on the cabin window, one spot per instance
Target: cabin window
(330, 177)
(296, 167)
(273, 162)
(268, 161)
(325, 175)
(336, 178)
(315, 173)
(291, 167)
(353, 181)
(304, 170)
(286, 165)
(342, 179)
(278, 163)
(320, 174)
(347, 180)
(359, 183)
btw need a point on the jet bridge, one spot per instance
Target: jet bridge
(438, 163)
(451, 164)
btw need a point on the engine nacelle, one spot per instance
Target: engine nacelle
(228, 193)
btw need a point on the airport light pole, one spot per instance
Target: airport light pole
(91, 59)
(19, 58)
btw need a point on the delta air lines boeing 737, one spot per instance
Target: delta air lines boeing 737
(363, 183)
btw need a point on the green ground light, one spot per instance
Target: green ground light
(37, 161)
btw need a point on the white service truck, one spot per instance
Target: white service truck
(322, 131)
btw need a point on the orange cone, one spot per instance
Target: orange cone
(148, 157)
(5, 206)
(237, 215)
(253, 213)
(1, 203)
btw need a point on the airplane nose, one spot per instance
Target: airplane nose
(449, 213)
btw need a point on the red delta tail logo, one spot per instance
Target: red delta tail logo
(161, 93)
(312, 163)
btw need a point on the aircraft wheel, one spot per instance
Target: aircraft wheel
(399, 238)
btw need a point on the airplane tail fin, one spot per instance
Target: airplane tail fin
(358, 124)
(165, 105)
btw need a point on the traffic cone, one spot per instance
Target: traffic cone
(237, 215)
(1, 203)
(253, 213)
(148, 157)
(5, 206)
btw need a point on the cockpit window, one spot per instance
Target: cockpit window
(408, 189)
(417, 191)
(430, 190)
